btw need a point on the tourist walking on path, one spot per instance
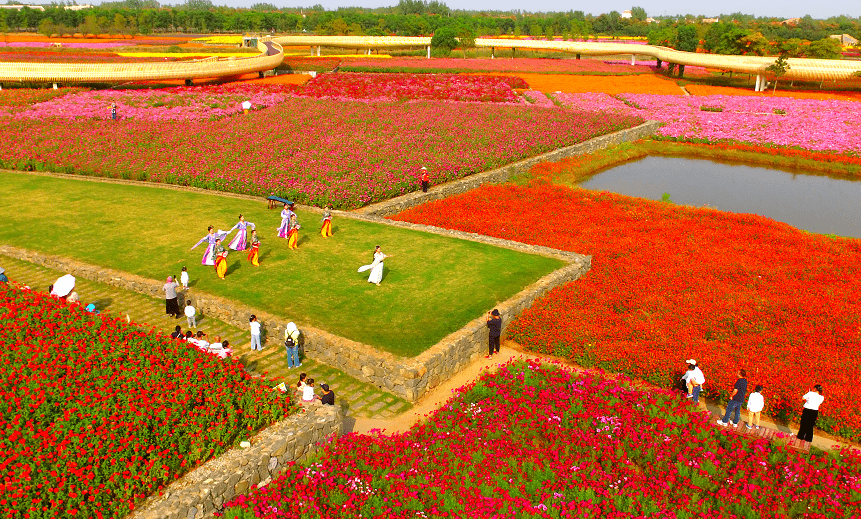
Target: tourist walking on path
(171, 306)
(291, 343)
(326, 228)
(254, 249)
(220, 259)
(255, 333)
(425, 180)
(211, 237)
(293, 233)
(494, 331)
(694, 380)
(239, 241)
(376, 267)
(812, 400)
(736, 399)
(286, 215)
(755, 405)
(190, 314)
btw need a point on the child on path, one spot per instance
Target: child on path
(183, 278)
(755, 404)
(190, 314)
(255, 333)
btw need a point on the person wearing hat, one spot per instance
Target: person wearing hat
(3, 278)
(425, 179)
(694, 380)
(328, 396)
(494, 327)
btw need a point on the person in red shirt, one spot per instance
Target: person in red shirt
(425, 180)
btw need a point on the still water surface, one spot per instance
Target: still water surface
(816, 204)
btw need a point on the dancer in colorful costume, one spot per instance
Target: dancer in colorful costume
(254, 248)
(239, 241)
(286, 215)
(293, 233)
(326, 229)
(211, 238)
(220, 259)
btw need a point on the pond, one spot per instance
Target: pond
(813, 203)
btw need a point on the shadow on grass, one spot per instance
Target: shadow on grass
(103, 303)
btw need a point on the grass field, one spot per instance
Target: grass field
(432, 285)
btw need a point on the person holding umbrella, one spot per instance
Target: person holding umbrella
(63, 287)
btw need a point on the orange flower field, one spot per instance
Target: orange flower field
(706, 90)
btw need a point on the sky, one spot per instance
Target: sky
(777, 8)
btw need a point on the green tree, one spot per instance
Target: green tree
(826, 48)
(777, 69)
(444, 41)
(754, 44)
(46, 27)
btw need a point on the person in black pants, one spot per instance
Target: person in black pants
(494, 326)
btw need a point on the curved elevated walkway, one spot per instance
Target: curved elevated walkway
(800, 68)
(271, 55)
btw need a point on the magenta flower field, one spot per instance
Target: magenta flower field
(343, 153)
(804, 123)
(540, 441)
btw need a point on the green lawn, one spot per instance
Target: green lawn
(431, 287)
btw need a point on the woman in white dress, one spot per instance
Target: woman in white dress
(376, 267)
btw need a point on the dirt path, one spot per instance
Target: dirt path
(433, 400)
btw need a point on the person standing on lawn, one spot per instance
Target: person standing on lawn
(286, 215)
(220, 259)
(812, 400)
(736, 399)
(376, 267)
(254, 249)
(494, 331)
(326, 228)
(190, 314)
(293, 233)
(240, 240)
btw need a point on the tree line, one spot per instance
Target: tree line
(736, 33)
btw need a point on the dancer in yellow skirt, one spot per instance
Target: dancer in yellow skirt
(293, 233)
(326, 229)
(220, 259)
(254, 252)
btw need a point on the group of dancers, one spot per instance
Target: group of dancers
(216, 254)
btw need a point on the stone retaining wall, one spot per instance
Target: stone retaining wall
(204, 490)
(500, 175)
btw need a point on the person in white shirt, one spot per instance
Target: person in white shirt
(255, 333)
(308, 391)
(694, 380)
(201, 342)
(190, 312)
(812, 400)
(755, 405)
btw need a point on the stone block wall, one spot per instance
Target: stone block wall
(205, 490)
(500, 175)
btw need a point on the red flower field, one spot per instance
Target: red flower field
(96, 412)
(669, 283)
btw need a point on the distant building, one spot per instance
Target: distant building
(711, 20)
(790, 21)
(651, 20)
(626, 14)
(845, 39)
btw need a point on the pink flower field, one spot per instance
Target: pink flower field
(343, 153)
(804, 123)
(540, 441)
